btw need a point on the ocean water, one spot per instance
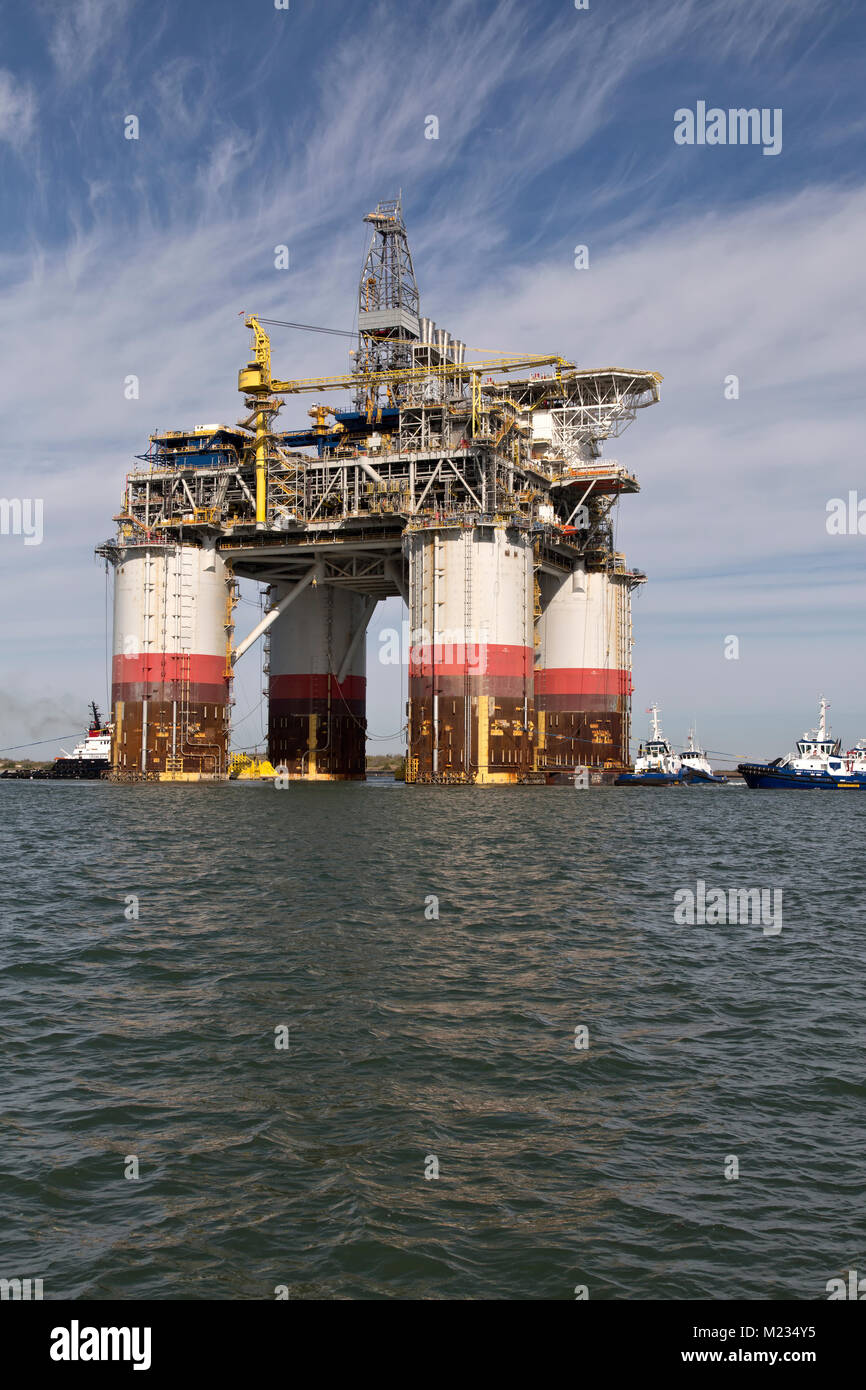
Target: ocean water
(418, 1042)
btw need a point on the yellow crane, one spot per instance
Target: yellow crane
(256, 383)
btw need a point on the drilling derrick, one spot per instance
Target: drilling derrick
(387, 299)
(476, 491)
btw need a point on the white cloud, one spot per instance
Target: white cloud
(18, 108)
(82, 32)
(729, 525)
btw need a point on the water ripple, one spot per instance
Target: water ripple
(416, 1039)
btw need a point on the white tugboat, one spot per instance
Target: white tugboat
(697, 771)
(818, 762)
(657, 765)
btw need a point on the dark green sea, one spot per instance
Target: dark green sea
(416, 1041)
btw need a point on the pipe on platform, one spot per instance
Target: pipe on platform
(368, 469)
(261, 469)
(314, 572)
(360, 632)
(394, 571)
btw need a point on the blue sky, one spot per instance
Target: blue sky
(260, 126)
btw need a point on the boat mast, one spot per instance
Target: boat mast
(655, 731)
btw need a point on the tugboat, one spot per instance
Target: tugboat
(657, 765)
(696, 767)
(817, 762)
(91, 757)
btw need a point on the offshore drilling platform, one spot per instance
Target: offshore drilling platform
(476, 491)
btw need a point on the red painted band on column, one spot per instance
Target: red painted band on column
(168, 676)
(462, 658)
(582, 691)
(583, 681)
(315, 687)
(294, 696)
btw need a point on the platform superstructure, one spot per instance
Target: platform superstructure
(474, 489)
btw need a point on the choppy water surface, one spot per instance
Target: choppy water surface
(412, 1038)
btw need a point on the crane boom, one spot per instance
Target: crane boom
(352, 380)
(410, 374)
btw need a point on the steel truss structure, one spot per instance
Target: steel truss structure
(429, 441)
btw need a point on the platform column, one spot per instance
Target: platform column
(317, 689)
(583, 671)
(170, 668)
(471, 708)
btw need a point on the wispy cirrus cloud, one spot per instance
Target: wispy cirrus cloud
(81, 34)
(555, 127)
(18, 109)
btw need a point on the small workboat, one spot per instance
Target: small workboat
(696, 766)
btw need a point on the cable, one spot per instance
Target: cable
(266, 638)
(372, 738)
(310, 328)
(37, 743)
(236, 723)
(344, 333)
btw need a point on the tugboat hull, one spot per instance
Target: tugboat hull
(81, 769)
(649, 779)
(764, 777)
